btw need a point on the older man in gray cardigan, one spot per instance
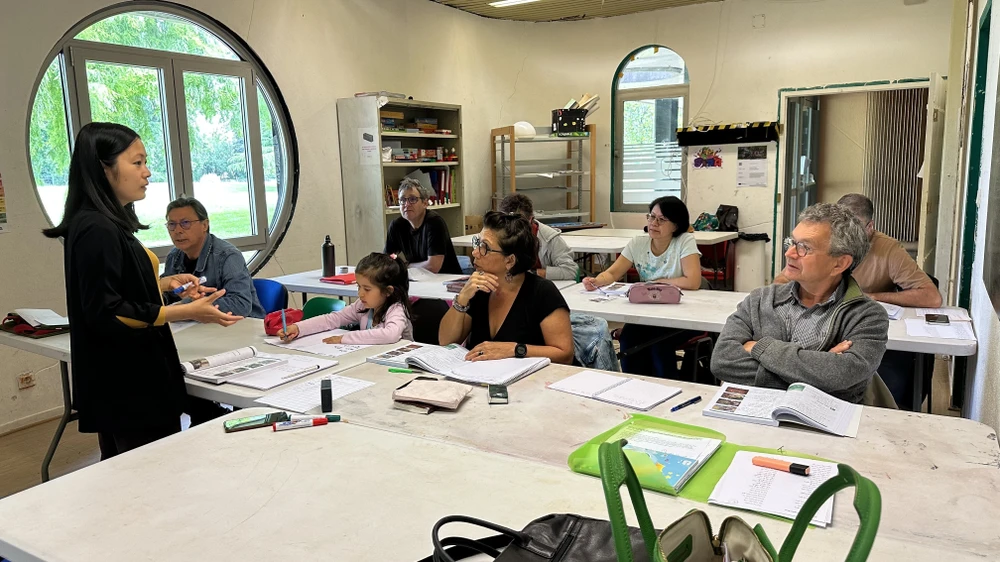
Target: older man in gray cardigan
(819, 328)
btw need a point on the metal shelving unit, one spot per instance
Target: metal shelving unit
(551, 172)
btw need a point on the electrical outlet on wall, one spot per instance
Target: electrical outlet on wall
(25, 380)
(759, 21)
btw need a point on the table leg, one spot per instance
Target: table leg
(68, 416)
(918, 384)
(305, 297)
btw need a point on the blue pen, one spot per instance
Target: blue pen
(201, 281)
(284, 327)
(694, 400)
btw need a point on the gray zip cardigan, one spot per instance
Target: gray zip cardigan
(775, 362)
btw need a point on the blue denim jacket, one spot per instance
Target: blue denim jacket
(592, 345)
(224, 268)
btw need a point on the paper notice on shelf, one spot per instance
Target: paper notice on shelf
(751, 166)
(369, 152)
(4, 225)
(918, 327)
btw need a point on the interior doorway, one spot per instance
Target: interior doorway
(870, 141)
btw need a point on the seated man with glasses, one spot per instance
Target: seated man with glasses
(198, 252)
(819, 328)
(419, 235)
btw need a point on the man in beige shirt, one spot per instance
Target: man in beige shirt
(888, 273)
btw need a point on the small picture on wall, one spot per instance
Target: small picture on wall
(708, 157)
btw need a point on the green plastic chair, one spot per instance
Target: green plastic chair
(318, 306)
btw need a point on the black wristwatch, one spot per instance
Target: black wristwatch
(520, 350)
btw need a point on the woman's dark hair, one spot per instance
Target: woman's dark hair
(517, 203)
(98, 145)
(387, 271)
(515, 237)
(675, 211)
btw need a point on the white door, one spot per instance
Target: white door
(930, 191)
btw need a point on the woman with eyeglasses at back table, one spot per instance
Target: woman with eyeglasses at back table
(127, 381)
(667, 254)
(504, 310)
(420, 235)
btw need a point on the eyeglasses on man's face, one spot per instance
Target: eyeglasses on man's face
(481, 245)
(656, 219)
(411, 200)
(185, 224)
(801, 248)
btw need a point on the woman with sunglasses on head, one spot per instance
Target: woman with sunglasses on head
(127, 381)
(668, 253)
(504, 310)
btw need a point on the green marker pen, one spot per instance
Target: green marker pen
(394, 370)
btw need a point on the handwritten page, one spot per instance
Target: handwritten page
(917, 327)
(304, 397)
(951, 313)
(314, 344)
(766, 490)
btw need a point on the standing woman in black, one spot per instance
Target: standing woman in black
(128, 385)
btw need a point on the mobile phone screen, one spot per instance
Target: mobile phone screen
(937, 319)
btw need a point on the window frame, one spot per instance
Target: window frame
(71, 54)
(619, 97)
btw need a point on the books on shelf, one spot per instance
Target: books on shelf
(677, 457)
(248, 367)
(801, 404)
(449, 361)
(622, 391)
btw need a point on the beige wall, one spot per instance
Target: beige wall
(500, 72)
(842, 125)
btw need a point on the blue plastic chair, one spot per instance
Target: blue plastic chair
(271, 294)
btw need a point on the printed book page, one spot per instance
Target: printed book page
(289, 368)
(677, 457)
(219, 359)
(829, 413)
(775, 492)
(745, 403)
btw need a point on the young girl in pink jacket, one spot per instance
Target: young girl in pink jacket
(382, 308)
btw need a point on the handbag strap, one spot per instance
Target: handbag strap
(615, 471)
(486, 546)
(867, 502)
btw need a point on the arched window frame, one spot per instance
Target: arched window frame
(259, 246)
(618, 99)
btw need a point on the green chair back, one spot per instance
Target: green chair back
(318, 306)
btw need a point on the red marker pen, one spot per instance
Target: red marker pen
(282, 426)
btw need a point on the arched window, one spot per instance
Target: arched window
(650, 92)
(209, 115)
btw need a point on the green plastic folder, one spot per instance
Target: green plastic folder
(585, 460)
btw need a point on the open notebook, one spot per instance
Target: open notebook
(248, 367)
(449, 361)
(623, 391)
(800, 404)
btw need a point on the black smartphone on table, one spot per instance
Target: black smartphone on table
(937, 319)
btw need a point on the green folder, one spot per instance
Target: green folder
(585, 459)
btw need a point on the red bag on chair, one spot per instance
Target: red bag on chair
(272, 322)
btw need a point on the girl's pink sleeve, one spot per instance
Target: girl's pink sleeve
(331, 321)
(389, 331)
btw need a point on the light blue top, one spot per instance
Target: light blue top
(665, 266)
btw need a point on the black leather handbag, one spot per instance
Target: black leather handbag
(558, 537)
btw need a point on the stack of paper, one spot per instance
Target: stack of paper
(766, 490)
(42, 318)
(918, 327)
(623, 391)
(894, 312)
(677, 457)
(304, 397)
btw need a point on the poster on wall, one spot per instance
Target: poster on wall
(368, 150)
(708, 157)
(751, 166)
(4, 225)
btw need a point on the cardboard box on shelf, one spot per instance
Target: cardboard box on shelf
(473, 224)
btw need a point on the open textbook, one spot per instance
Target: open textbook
(801, 404)
(622, 391)
(449, 361)
(248, 367)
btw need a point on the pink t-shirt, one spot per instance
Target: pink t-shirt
(394, 327)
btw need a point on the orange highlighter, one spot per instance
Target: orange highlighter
(785, 466)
